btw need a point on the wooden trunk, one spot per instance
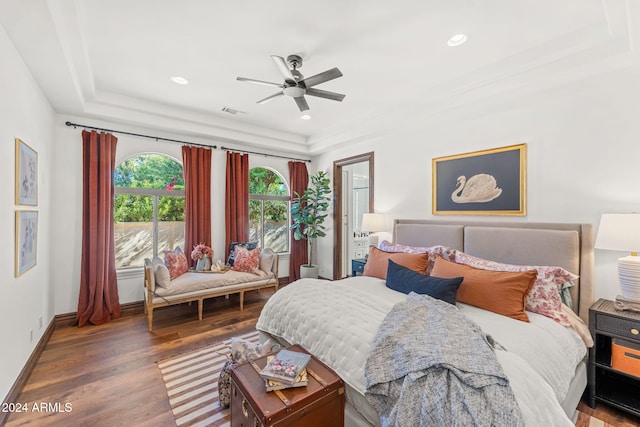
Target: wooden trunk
(320, 403)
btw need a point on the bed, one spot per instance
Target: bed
(545, 364)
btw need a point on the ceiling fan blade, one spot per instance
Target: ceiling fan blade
(282, 66)
(325, 94)
(302, 103)
(331, 74)
(260, 82)
(269, 98)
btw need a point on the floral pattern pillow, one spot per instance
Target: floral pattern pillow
(176, 262)
(247, 261)
(544, 297)
(433, 251)
(232, 249)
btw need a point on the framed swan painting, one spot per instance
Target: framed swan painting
(487, 182)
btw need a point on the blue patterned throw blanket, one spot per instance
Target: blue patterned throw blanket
(431, 366)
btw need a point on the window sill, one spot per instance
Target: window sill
(130, 273)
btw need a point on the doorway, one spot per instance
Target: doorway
(353, 192)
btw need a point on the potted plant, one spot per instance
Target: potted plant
(308, 212)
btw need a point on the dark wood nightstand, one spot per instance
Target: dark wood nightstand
(606, 384)
(357, 266)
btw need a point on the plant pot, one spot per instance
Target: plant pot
(308, 271)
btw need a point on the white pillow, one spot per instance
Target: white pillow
(161, 273)
(266, 260)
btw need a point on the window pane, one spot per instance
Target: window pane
(276, 221)
(255, 222)
(150, 171)
(265, 181)
(171, 208)
(171, 223)
(170, 235)
(133, 230)
(130, 208)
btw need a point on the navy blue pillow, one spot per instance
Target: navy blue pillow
(404, 280)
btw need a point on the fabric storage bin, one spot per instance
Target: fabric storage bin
(625, 357)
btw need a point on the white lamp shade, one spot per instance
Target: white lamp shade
(619, 232)
(373, 222)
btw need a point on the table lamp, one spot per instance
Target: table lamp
(372, 223)
(621, 232)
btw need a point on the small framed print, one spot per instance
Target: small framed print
(26, 174)
(487, 182)
(26, 241)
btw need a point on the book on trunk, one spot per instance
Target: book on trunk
(285, 367)
(301, 381)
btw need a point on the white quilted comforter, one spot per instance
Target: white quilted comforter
(337, 322)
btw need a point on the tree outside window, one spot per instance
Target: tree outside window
(149, 208)
(268, 210)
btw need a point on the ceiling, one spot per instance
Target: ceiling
(113, 60)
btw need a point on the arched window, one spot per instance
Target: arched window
(268, 210)
(149, 208)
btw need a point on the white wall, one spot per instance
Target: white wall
(67, 193)
(25, 114)
(583, 144)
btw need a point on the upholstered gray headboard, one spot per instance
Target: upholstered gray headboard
(569, 246)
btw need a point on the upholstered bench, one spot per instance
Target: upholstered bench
(195, 286)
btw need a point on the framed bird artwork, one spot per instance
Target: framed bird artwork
(486, 182)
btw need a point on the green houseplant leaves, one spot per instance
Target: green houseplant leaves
(309, 210)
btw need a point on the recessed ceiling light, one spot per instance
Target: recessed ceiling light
(179, 80)
(306, 116)
(457, 40)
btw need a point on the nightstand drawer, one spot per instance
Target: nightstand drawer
(357, 266)
(613, 325)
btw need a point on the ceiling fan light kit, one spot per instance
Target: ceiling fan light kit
(296, 85)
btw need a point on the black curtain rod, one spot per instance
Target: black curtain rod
(263, 154)
(157, 138)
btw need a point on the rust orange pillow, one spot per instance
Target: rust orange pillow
(502, 292)
(378, 262)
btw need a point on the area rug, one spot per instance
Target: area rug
(192, 384)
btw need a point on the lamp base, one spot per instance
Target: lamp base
(629, 275)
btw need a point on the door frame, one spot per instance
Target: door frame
(337, 200)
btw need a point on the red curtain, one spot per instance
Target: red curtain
(98, 301)
(299, 178)
(237, 199)
(197, 183)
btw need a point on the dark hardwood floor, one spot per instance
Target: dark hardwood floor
(107, 376)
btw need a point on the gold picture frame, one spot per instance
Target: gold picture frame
(26, 174)
(26, 250)
(486, 182)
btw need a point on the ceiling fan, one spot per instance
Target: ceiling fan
(296, 85)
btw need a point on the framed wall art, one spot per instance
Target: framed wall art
(26, 174)
(26, 241)
(487, 182)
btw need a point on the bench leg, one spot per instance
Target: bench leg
(150, 318)
(200, 309)
(241, 300)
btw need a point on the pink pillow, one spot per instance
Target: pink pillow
(433, 251)
(247, 261)
(544, 297)
(176, 262)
